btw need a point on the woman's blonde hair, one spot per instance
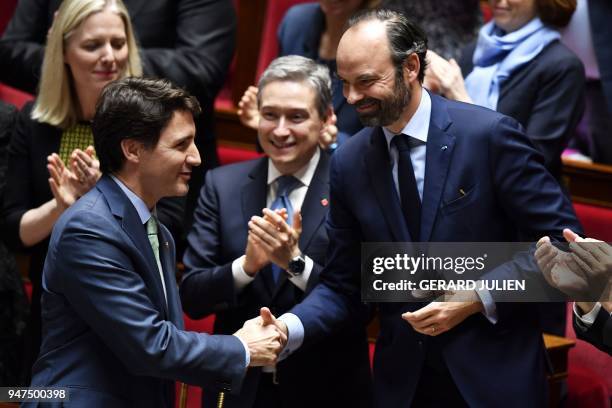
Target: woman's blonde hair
(56, 102)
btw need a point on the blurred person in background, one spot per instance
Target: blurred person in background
(519, 67)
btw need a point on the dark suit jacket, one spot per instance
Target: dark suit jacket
(600, 332)
(300, 34)
(600, 15)
(231, 196)
(109, 335)
(546, 96)
(508, 197)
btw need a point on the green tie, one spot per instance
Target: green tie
(152, 234)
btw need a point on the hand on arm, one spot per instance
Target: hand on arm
(329, 133)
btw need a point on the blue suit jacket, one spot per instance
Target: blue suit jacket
(108, 334)
(600, 15)
(230, 197)
(300, 34)
(508, 197)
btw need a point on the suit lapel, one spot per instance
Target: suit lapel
(253, 197)
(440, 145)
(131, 224)
(314, 210)
(379, 170)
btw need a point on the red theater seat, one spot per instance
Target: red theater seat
(228, 155)
(596, 221)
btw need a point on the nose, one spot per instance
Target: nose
(193, 156)
(108, 54)
(352, 95)
(281, 128)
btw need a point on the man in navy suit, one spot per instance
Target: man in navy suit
(470, 175)
(112, 321)
(233, 272)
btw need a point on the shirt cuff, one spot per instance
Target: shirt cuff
(241, 278)
(295, 334)
(587, 319)
(247, 355)
(490, 310)
(301, 280)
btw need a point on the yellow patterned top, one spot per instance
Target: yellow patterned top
(78, 136)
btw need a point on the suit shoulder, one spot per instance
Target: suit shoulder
(354, 145)
(232, 171)
(556, 57)
(301, 13)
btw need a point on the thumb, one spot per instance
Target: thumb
(266, 316)
(570, 236)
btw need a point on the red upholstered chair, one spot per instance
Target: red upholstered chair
(589, 382)
(596, 221)
(228, 155)
(193, 394)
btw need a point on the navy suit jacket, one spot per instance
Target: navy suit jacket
(300, 33)
(546, 96)
(600, 15)
(230, 197)
(508, 196)
(108, 334)
(600, 332)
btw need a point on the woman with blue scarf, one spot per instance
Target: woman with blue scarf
(519, 67)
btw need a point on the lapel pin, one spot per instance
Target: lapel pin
(324, 202)
(462, 191)
(444, 147)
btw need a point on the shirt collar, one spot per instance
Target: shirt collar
(137, 202)
(418, 125)
(305, 174)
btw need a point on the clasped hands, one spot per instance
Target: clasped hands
(584, 273)
(265, 337)
(271, 239)
(68, 183)
(445, 313)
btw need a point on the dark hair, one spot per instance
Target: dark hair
(405, 37)
(556, 13)
(135, 108)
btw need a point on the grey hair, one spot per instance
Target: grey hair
(300, 69)
(405, 36)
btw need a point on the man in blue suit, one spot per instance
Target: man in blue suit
(457, 173)
(234, 273)
(112, 321)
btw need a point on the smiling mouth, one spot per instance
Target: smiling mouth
(282, 145)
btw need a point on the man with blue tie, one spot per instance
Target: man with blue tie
(240, 258)
(460, 173)
(112, 320)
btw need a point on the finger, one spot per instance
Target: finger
(584, 254)
(297, 221)
(54, 189)
(422, 313)
(267, 248)
(266, 316)
(275, 219)
(542, 241)
(266, 227)
(54, 172)
(569, 235)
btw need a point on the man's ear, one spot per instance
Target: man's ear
(132, 150)
(411, 67)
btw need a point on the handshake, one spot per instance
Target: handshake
(265, 337)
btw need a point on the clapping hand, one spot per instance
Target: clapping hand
(277, 239)
(247, 108)
(584, 273)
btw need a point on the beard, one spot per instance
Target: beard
(387, 110)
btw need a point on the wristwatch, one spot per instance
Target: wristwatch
(296, 265)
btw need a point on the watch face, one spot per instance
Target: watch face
(296, 265)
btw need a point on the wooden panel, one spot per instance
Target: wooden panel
(588, 183)
(230, 132)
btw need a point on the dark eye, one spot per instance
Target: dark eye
(118, 43)
(268, 115)
(91, 45)
(298, 117)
